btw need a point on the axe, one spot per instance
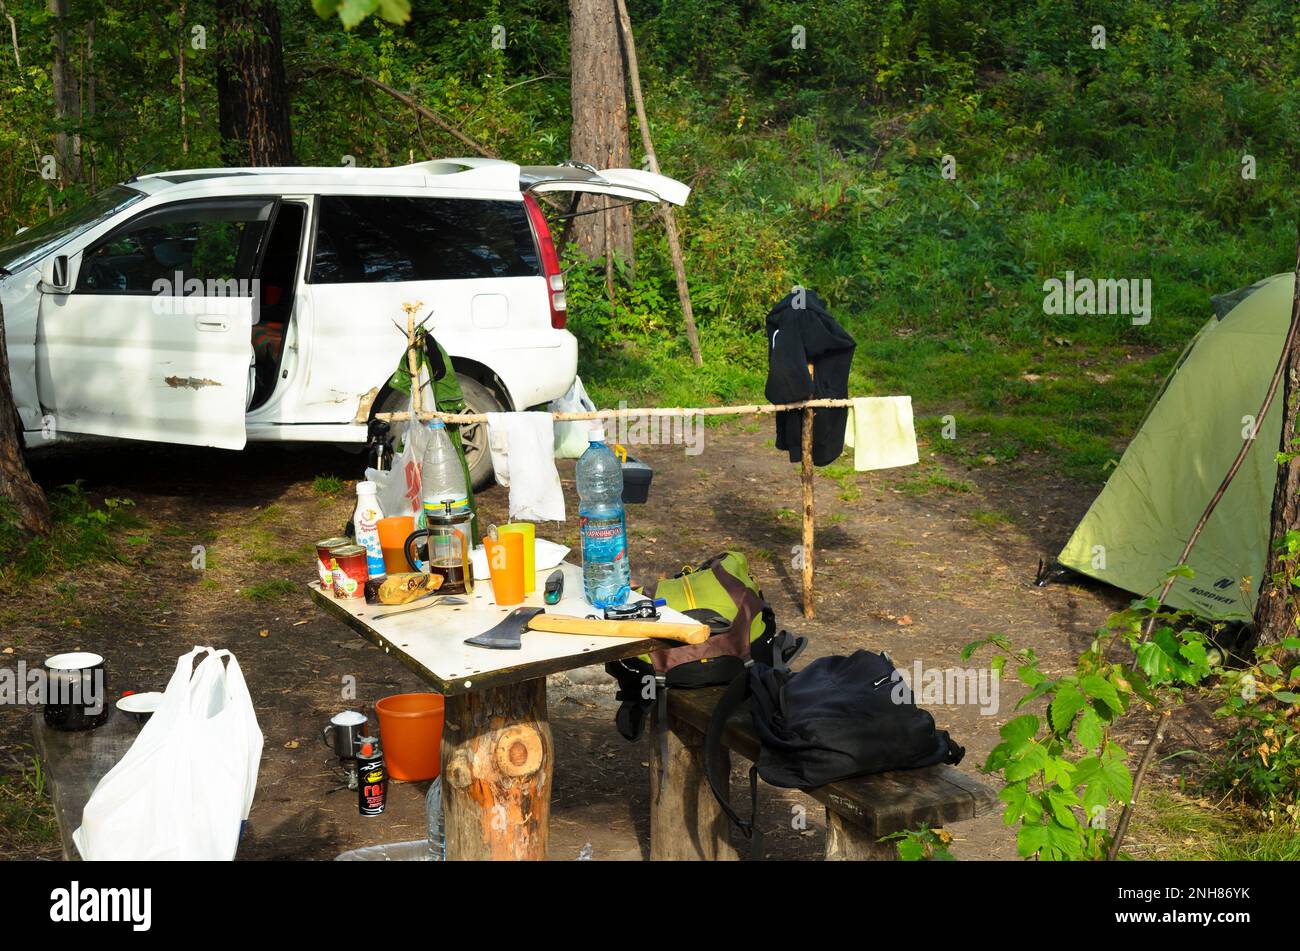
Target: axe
(507, 634)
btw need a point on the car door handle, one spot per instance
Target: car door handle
(212, 324)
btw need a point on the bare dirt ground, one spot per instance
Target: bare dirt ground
(905, 562)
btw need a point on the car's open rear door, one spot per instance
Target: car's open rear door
(630, 183)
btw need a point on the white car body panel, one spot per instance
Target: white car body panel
(107, 365)
(182, 375)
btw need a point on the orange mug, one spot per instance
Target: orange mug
(392, 541)
(505, 558)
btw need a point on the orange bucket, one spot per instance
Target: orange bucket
(410, 729)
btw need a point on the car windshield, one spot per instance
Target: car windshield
(28, 246)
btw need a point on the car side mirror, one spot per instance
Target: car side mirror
(54, 275)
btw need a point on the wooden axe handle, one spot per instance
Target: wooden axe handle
(664, 630)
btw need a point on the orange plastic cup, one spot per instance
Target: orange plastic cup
(393, 533)
(529, 533)
(410, 730)
(505, 559)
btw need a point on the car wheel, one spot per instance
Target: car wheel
(473, 436)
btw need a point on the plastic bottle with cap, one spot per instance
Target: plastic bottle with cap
(365, 521)
(606, 573)
(442, 480)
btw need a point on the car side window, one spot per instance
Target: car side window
(363, 239)
(199, 248)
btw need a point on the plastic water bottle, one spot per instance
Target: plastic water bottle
(365, 522)
(441, 477)
(433, 812)
(606, 575)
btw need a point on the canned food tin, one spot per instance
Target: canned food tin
(324, 570)
(350, 572)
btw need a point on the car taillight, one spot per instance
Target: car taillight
(550, 264)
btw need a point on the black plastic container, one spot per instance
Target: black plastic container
(636, 481)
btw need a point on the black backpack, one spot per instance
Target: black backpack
(837, 718)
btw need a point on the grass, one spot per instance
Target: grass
(1176, 827)
(26, 814)
(269, 590)
(932, 482)
(990, 518)
(327, 486)
(83, 532)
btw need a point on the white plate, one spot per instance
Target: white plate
(140, 702)
(546, 555)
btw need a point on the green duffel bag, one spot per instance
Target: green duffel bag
(721, 593)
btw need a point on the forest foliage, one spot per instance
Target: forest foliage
(814, 136)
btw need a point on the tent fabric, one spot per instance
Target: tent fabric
(1137, 527)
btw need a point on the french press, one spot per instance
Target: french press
(442, 547)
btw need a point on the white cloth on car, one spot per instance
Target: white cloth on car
(523, 457)
(881, 431)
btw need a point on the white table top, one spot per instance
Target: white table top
(432, 641)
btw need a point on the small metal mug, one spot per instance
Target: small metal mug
(342, 732)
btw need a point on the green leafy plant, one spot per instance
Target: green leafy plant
(1064, 769)
(1263, 762)
(922, 845)
(353, 12)
(1262, 766)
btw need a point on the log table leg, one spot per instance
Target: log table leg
(497, 765)
(846, 842)
(686, 822)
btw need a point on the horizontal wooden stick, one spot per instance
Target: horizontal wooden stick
(669, 411)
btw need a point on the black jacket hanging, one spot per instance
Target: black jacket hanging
(796, 337)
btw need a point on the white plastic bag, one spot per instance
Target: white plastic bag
(571, 436)
(398, 488)
(184, 788)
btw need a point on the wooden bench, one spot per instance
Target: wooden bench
(74, 763)
(686, 822)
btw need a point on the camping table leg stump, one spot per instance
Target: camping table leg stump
(497, 764)
(686, 822)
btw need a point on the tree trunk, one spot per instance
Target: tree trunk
(1276, 610)
(599, 136)
(16, 483)
(88, 104)
(252, 92)
(67, 98)
(180, 82)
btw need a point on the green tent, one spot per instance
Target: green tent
(1138, 525)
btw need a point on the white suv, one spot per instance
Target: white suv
(214, 306)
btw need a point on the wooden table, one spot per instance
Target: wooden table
(74, 763)
(497, 758)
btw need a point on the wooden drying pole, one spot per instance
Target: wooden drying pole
(806, 477)
(740, 409)
(665, 209)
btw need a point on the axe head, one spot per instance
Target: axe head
(507, 633)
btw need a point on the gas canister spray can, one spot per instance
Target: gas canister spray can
(372, 777)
